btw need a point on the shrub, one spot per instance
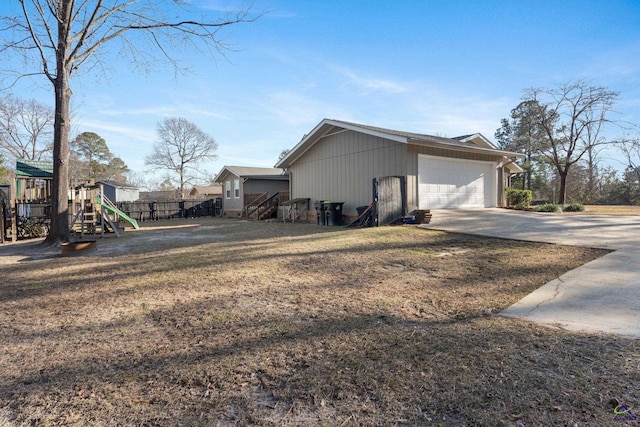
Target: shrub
(518, 198)
(573, 207)
(549, 207)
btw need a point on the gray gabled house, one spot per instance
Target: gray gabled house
(243, 185)
(338, 161)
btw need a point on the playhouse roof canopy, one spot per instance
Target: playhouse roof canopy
(34, 169)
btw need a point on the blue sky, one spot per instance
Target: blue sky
(446, 68)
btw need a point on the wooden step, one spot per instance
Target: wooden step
(268, 213)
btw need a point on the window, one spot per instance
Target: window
(227, 186)
(236, 188)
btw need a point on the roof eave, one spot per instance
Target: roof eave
(481, 137)
(469, 149)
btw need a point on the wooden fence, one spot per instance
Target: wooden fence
(3, 221)
(139, 210)
(13, 212)
(151, 210)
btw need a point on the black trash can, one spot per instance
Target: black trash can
(320, 212)
(334, 212)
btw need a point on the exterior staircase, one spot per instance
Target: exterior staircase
(264, 206)
(268, 212)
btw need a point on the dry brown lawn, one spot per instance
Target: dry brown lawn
(221, 322)
(612, 210)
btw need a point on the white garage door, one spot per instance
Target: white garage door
(455, 183)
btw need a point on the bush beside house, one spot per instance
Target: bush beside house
(518, 198)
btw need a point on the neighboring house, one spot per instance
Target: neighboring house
(339, 160)
(205, 191)
(241, 185)
(119, 192)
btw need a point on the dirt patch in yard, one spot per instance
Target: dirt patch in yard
(236, 323)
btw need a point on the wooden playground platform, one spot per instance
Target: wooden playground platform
(25, 207)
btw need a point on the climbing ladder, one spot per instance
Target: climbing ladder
(84, 221)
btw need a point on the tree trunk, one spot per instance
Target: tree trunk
(562, 194)
(591, 185)
(59, 231)
(529, 168)
(182, 181)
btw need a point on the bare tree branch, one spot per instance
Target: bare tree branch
(572, 118)
(26, 129)
(68, 34)
(180, 148)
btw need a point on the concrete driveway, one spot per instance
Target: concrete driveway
(602, 296)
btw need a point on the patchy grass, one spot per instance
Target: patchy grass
(220, 322)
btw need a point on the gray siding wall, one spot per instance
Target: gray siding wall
(233, 204)
(127, 194)
(341, 168)
(109, 192)
(265, 186)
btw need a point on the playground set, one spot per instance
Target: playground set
(93, 213)
(25, 209)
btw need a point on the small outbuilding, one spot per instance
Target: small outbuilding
(119, 192)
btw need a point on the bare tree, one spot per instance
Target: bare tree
(283, 154)
(26, 129)
(64, 35)
(4, 175)
(571, 117)
(180, 149)
(137, 179)
(630, 147)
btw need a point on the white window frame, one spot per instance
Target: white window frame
(236, 188)
(227, 187)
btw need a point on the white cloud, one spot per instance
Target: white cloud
(425, 109)
(157, 110)
(297, 109)
(226, 6)
(370, 84)
(126, 140)
(616, 63)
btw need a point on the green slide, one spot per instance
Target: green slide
(118, 212)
